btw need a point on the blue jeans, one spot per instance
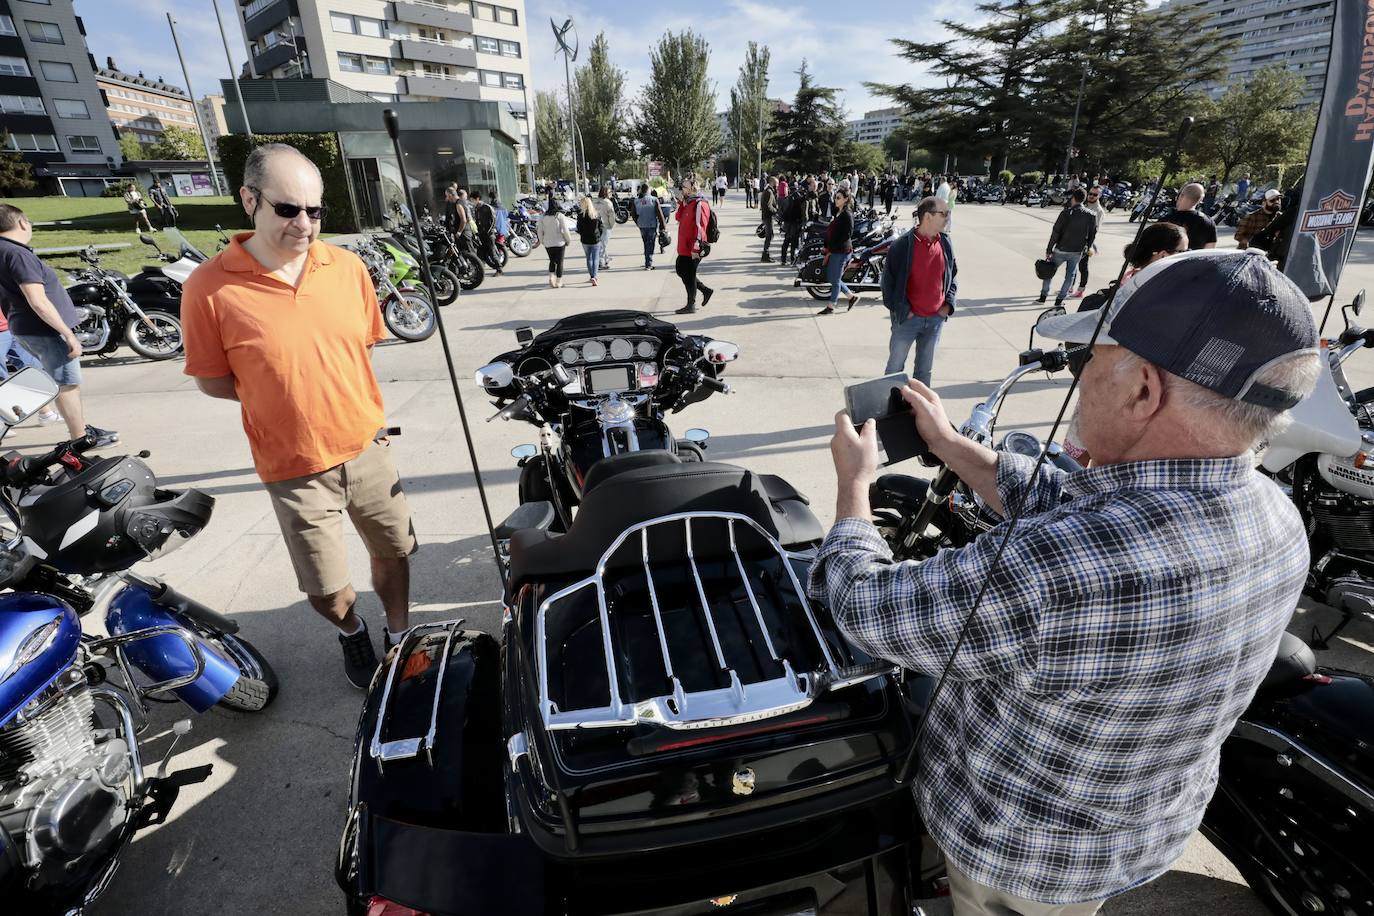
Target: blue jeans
(8, 346)
(834, 274)
(593, 253)
(1070, 258)
(925, 334)
(650, 237)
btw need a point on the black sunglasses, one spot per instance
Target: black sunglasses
(1078, 358)
(291, 211)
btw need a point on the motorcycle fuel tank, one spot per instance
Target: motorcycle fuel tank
(39, 635)
(1320, 423)
(1350, 475)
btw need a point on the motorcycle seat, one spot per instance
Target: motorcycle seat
(1294, 662)
(626, 461)
(628, 497)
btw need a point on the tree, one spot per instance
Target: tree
(15, 172)
(599, 103)
(551, 135)
(864, 158)
(130, 147)
(809, 137)
(176, 143)
(1253, 123)
(988, 72)
(676, 121)
(750, 112)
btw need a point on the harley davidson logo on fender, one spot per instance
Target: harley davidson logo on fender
(742, 783)
(1334, 216)
(724, 901)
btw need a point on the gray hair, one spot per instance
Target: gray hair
(255, 169)
(1215, 416)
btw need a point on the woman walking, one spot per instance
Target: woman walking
(693, 216)
(839, 248)
(552, 231)
(591, 231)
(605, 210)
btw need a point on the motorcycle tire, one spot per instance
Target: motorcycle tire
(518, 246)
(163, 343)
(622, 216)
(472, 274)
(821, 291)
(257, 685)
(446, 285)
(500, 258)
(412, 319)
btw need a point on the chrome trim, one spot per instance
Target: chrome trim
(117, 643)
(126, 719)
(405, 748)
(516, 747)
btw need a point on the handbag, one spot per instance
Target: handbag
(663, 240)
(1044, 268)
(761, 231)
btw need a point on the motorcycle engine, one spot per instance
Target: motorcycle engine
(63, 783)
(93, 327)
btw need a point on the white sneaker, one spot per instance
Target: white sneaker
(48, 416)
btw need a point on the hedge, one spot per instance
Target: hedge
(321, 149)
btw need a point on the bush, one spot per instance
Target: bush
(321, 149)
(1031, 177)
(117, 189)
(1006, 176)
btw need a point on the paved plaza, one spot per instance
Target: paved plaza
(260, 834)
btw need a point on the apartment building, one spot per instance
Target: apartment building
(874, 126)
(1295, 34)
(144, 107)
(50, 102)
(407, 50)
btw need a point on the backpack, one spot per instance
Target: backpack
(712, 228)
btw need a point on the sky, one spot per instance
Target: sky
(840, 52)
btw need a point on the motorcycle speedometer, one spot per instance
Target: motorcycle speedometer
(621, 349)
(1020, 442)
(594, 351)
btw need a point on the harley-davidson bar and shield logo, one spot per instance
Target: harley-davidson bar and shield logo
(1334, 216)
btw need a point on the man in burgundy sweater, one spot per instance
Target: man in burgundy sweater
(919, 288)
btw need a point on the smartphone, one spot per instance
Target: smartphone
(881, 400)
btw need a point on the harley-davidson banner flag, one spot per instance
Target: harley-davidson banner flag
(1338, 165)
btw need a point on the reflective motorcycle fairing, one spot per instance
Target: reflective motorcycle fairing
(39, 636)
(166, 657)
(1321, 423)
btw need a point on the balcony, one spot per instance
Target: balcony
(446, 87)
(269, 17)
(428, 12)
(434, 51)
(273, 57)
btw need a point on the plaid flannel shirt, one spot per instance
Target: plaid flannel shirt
(1133, 615)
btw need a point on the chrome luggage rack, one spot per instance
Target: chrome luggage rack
(735, 704)
(406, 748)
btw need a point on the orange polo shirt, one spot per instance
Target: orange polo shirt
(300, 356)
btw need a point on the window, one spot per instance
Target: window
(488, 45)
(257, 6)
(84, 143)
(341, 23)
(34, 143)
(383, 96)
(57, 71)
(46, 32)
(506, 15)
(352, 63)
(7, 26)
(513, 81)
(484, 11)
(510, 48)
(372, 28)
(22, 104)
(378, 65)
(14, 66)
(491, 78)
(71, 108)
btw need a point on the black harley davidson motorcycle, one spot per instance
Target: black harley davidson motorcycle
(143, 312)
(1294, 805)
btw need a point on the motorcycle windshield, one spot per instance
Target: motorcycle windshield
(184, 245)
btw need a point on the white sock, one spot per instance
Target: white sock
(394, 638)
(358, 629)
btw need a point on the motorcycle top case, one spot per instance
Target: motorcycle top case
(39, 636)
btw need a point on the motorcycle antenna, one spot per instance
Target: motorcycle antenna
(908, 765)
(393, 129)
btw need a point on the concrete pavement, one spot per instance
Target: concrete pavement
(259, 834)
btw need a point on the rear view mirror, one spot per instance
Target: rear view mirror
(25, 393)
(521, 452)
(147, 239)
(524, 335)
(1358, 303)
(721, 351)
(494, 375)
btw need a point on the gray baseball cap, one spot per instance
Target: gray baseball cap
(1215, 318)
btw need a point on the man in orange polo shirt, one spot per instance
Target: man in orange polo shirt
(284, 324)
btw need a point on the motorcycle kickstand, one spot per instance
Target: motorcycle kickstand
(180, 728)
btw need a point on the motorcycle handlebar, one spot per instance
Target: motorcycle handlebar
(715, 384)
(21, 470)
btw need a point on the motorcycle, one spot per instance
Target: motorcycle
(1295, 793)
(108, 311)
(171, 275)
(406, 309)
(73, 783)
(598, 385)
(624, 209)
(863, 273)
(1162, 208)
(403, 258)
(454, 253)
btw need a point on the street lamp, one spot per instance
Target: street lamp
(560, 34)
(1082, 85)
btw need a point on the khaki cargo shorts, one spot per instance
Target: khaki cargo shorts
(310, 511)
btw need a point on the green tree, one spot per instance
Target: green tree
(551, 135)
(676, 121)
(988, 73)
(1253, 123)
(599, 104)
(809, 137)
(130, 147)
(15, 172)
(750, 112)
(863, 158)
(177, 143)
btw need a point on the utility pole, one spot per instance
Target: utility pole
(1082, 86)
(560, 34)
(233, 77)
(195, 108)
(762, 91)
(734, 110)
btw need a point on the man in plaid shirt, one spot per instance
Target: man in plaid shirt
(1135, 610)
(1257, 220)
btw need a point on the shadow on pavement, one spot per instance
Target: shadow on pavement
(1180, 892)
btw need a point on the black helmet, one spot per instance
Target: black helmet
(110, 516)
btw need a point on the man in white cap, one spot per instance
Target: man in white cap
(1250, 233)
(1127, 618)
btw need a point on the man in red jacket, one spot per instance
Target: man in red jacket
(693, 214)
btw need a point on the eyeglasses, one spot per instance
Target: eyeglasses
(1078, 358)
(291, 211)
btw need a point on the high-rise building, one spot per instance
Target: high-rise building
(50, 102)
(874, 126)
(407, 50)
(1295, 34)
(144, 107)
(211, 108)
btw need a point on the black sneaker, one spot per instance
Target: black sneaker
(360, 660)
(1042, 298)
(102, 437)
(686, 310)
(706, 297)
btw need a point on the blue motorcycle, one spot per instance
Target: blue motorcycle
(73, 784)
